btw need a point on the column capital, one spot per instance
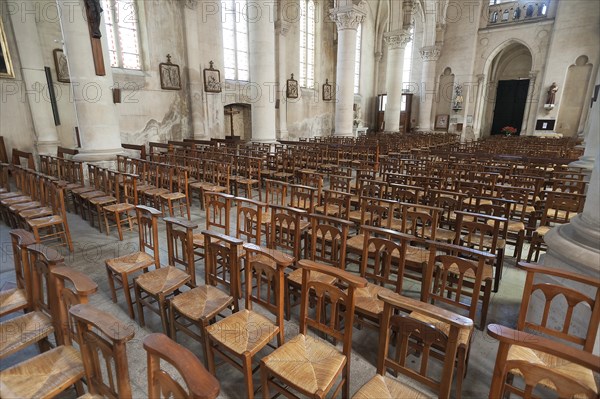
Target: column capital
(282, 27)
(397, 39)
(349, 17)
(430, 53)
(533, 75)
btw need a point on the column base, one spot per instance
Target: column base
(585, 162)
(47, 147)
(263, 141)
(283, 135)
(98, 155)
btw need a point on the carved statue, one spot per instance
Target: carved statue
(94, 11)
(552, 93)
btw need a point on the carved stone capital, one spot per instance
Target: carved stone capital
(348, 17)
(282, 27)
(430, 53)
(397, 39)
(191, 4)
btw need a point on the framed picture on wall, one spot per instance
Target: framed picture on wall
(327, 95)
(61, 66)
(6, 67)
(292, 88)
(442, 122)
(212, 79)
(169, 75)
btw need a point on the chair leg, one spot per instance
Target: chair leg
(111, 285)
(67, 233)
(119, 228)
(210, 356)
(264, 381)
(127, 292)
(486, 302)
(460, 372)
(162, 306)
(138, 301)
(247, 370)
(106, 222)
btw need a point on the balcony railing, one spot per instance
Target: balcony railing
(516, 11)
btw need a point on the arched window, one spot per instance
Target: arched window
(494, 17)
(307, 43)
(517, 13)
(407, 65)
(505, 15)
(121, 20)
(357, 60)
(235, 39)
(529, 11)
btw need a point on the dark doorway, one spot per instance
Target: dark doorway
(511, 96)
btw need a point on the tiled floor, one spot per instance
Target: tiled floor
(92, 248)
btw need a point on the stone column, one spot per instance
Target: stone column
(193, 53)
(347, 18)
(96, 114)
(479, 106)
(396, 42)
(282, 28)
(430, 55)
(529, 104)
(261, 33)
(592, 136)
(34, 77)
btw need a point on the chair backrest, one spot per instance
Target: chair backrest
(454, 267)
(285, 229)
(337, 204)
(180, 244)
(384, 256)
(147, 219)
(341, 303)
(276, 192)
(249, 217)
(328, 238)
(102, 341)
(112, 183)
(478, 231)
(340, 183)
(432, 341)
(218, 211)
(575, 298)
(222, 264)
(376, 211)
(265, 284)
(560, 207)
(42, 260)
(129, 193)
(21, 239)
(405, 193)
(199, 383)
(303, 197)
(420, 220)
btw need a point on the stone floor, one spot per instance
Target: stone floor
(92, 248)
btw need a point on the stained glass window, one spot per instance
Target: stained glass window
(307, 43)
(235, 39)
(121, 20)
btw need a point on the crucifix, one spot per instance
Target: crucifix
(230, 111)
(93, 11)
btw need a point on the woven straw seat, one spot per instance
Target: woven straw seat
(10, 194)
(119, 207)
(304, 224)
(367, 301)
(306, 362)
(417, 255)
(513, 225)
(23, 206)
(156, 191)
(131, 262)
(332, 210)
(12, 300)
(102, 200)
(560, 214)
(357, 243)
(201, 184)
(92, 194)
(165, 279)
(441, 234)
(283, 175)
(143, 187)
(380, 387)
(45, 221)
(296, 277)
(72, 186)
(21, 331)
(42, 376)
(243, 332)
(83, 189)
(486, 242)
(557, 364)
(244, 180)
(172, 196)
(199, 240)
(15, 200)
(543, 230)
(203, 302)
(35, 213)
(528, 208)
(464, 334)
(488, 271)
(216, 189)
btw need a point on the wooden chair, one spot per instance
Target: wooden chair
(286, 233)
(121, 211)
(96, 204)
(199, 383)
(535, 372)
(264, 287)
(433, 341)
(308, 364)
(56, 225)
(250, 179)
(178, 195)
(51, 372)
(276, 192)
(19, 298)
(303, 197)
(581, 301)
(201, 305)
(102, 342)
(559, 208)
(217, 208)
(153, 288)
(335, 204)
(119, 269)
